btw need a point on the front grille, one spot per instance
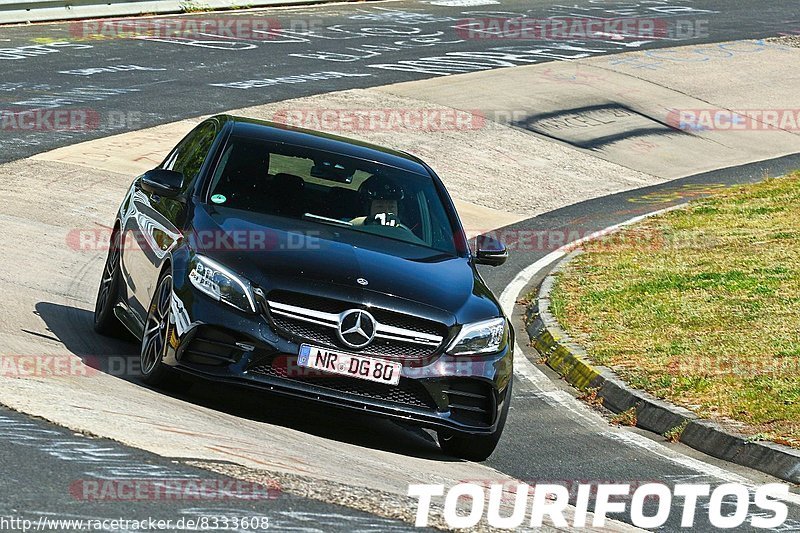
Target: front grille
(326, 337)
(315, 320)
(407, 392)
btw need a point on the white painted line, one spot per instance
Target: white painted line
(527, 370)
(462, 3)
(639, 441)
(522, 366)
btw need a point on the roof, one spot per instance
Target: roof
(317, 140)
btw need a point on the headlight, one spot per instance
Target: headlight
(487, 336)
(213, 279)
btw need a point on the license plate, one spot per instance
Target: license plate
(348, 364)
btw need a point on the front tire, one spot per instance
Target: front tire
(475, 447)
(156, 334)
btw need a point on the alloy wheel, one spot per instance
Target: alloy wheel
(110, 269)
(156, 334)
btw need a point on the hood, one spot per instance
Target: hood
(280, 253)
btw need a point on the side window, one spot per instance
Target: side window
(188, 157)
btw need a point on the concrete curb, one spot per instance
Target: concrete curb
(28, 11)
(568, 359)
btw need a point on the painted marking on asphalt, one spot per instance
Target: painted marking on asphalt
(522, 366)
(640, 441)
(562, 399)
(462, 3)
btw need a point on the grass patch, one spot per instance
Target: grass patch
(193, 6)
(625, 418)
(701, 307)
(590, 397)
(674, 434)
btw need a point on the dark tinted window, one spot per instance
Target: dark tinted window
(188, 157)
(326, 188)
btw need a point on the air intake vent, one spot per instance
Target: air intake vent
(209, 346)
(471, 402)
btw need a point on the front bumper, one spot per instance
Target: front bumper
(217, 342)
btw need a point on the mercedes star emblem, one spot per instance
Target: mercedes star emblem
(356, 328)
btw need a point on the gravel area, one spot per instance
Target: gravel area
(787, 40)
(383, 504)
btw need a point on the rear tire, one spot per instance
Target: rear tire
(105, 321)
(475, 447)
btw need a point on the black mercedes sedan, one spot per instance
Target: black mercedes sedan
(312, 266)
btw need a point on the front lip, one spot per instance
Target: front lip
(421, 417)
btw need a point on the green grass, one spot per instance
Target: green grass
(701, 306)
(192, 6)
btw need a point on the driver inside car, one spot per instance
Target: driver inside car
(382, 197)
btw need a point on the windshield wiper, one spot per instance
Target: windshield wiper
(326, 220)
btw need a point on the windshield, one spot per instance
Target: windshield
(326, 188)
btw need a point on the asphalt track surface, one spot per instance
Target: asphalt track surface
(364, 44)
(541, 443)
(51, 474)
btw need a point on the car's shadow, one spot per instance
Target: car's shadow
(119, 358)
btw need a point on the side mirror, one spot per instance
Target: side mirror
(166, 183)
(490, 252)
